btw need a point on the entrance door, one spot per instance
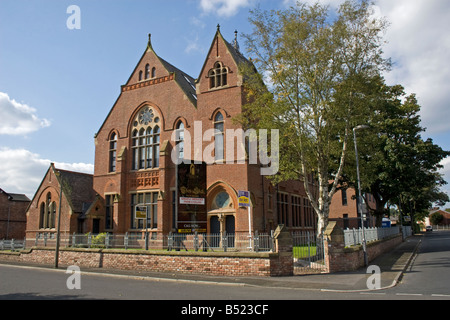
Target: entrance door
(214, 238)
(230, 224)
(95, 226)
(230, 230)
(214, 224)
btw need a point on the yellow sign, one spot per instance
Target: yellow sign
(244, 198)
(140, 212)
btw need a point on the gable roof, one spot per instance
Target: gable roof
(15, 196)
(183, 80)
(237, 56)
(77, 188)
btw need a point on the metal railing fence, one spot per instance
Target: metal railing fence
(354, 237)
(439, 227)
(12, 244)
(255, 242)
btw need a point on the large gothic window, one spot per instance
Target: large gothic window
(145, 140)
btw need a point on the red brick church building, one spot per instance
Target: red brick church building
(158, 108)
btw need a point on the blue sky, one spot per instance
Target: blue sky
(57, 85)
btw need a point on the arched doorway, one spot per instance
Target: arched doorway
(221, 213)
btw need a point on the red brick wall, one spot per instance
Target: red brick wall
(223, 264)
(340, 259)
(15, 213)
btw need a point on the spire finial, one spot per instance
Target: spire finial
(149, 43)
(235, 43)
(218, 27)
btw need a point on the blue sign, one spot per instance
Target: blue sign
(386, 224)
(244, 198)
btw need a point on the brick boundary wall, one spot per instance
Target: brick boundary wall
(263, 264)
(340, 259)
(211, 263)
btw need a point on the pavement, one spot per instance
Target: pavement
(392, 265)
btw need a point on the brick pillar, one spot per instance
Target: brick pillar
(282, 262)
(334, 245)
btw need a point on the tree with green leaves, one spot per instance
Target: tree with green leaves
(397, 165)
(317, 64)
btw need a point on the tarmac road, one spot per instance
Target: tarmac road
(427, 277)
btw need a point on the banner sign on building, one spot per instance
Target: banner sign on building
(192, 215)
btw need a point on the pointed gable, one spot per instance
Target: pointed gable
(152, 69)
(223, 58)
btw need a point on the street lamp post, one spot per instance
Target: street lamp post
(360, 205)
(58, 230)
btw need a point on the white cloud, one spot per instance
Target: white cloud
(21, 171)
(419, 44)
(225, 8)
(18, 118)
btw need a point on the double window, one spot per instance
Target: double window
(109, 206)
(145, 148)
(47, 213)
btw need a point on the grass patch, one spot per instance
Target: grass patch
(304, 251)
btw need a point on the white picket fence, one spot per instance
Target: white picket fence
(355, 236)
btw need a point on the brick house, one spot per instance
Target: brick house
(13, 220)
(344, 210)
(135, 143)
(77, 198)
(446, 217)
(158, 108)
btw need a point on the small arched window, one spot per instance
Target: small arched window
(42, 216)
(112, 152)
(147, 71)
(140, 75)
(180, 139)
(53, 215)
(153, 72)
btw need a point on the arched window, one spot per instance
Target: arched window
(153, 72)
(140, 75)
(147, 71)
(218, 76)
(112, 152)
(180, 139)
(218, 136)
(42, 216)
(53, 215)
(145, 148)
(46, 211)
